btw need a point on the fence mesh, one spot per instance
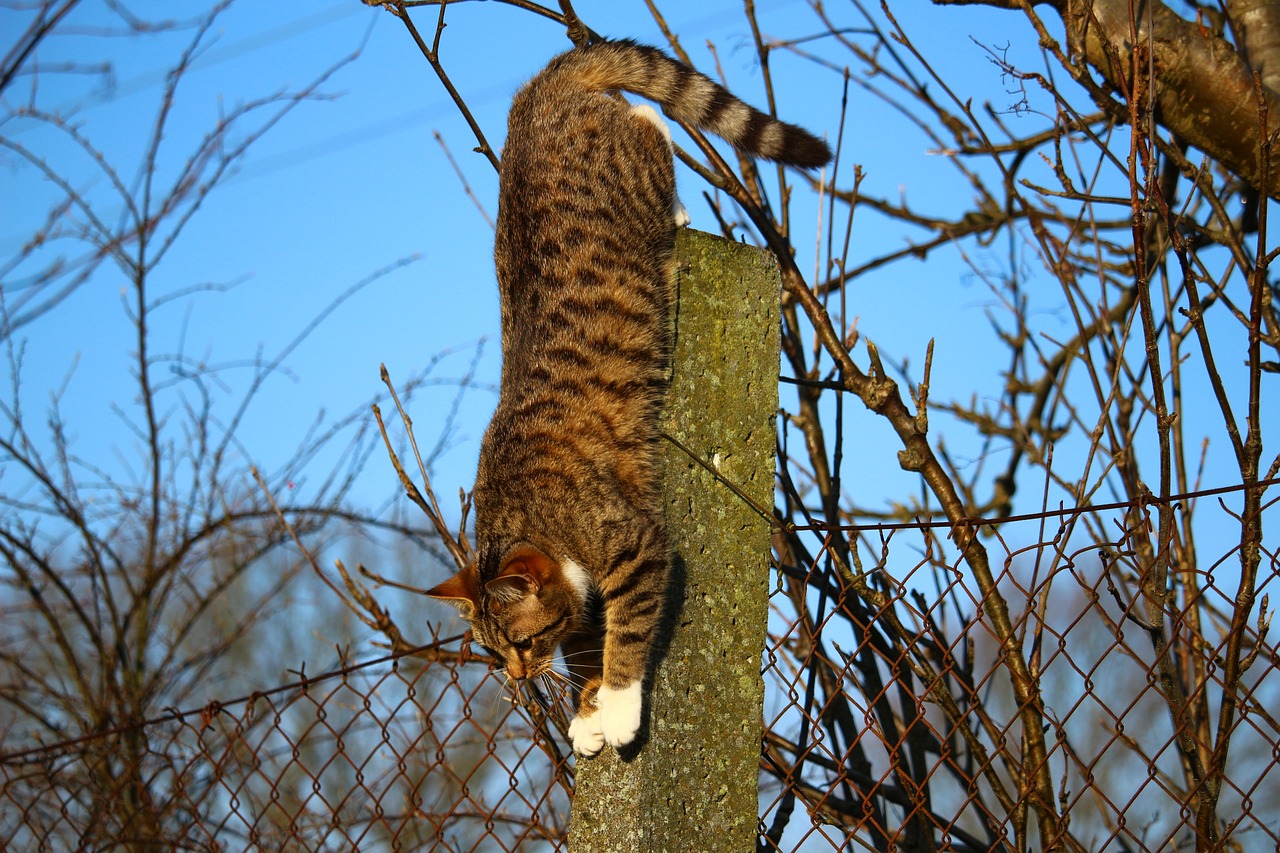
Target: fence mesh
(893, 719)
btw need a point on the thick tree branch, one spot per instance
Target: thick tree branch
(1204, 90)
(1256, 24)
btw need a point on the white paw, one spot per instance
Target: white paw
(586, 735)
(682, 215)
(619, 713)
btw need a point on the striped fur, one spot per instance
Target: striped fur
(571, 546)
(687, 96)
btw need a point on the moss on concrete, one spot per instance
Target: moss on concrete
(692, 785)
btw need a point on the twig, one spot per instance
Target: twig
(456, 547)
(466, 187)
(433, 57)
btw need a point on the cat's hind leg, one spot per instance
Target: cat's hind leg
(679, 213)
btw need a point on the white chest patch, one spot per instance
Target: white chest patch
(577, 578)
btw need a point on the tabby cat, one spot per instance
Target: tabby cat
(571, 549)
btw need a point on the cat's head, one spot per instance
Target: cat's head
(523, 612)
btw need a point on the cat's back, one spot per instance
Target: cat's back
(584, 251)
(587, 183)
(584, 247)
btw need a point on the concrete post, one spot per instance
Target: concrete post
(693, 785)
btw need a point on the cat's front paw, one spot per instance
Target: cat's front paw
(619, 713)
(614, 720)
(585, 733)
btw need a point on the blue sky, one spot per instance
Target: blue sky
(355, 182)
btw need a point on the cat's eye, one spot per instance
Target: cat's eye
(523, 644)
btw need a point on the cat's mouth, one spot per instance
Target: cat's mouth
(523, 672)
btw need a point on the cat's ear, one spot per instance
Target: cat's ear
(525, 571)
(462, 591)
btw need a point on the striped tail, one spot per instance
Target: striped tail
(686, 96)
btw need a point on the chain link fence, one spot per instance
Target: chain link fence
(893, 720)
(893, 717)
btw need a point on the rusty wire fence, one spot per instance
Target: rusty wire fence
(894, 718)
(892, 721)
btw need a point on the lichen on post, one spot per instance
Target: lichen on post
(692, 785)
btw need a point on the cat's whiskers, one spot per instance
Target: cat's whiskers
(564, 688)
(568, 675)
(562, 677)
(589, 654)
(552, 691)
(508, 693)
(573, 685)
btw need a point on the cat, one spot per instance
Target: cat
(571, 547)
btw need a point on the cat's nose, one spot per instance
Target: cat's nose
(516, 669)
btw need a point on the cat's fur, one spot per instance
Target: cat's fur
(569, 530)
